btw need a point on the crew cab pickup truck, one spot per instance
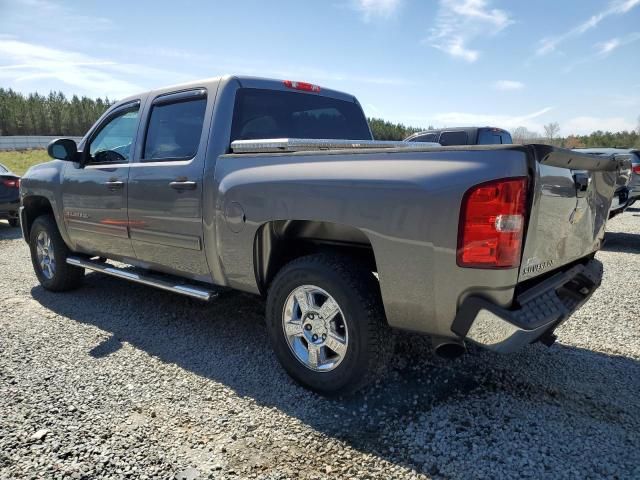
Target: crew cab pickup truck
(277, 188)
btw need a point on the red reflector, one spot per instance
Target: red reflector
(306, 87)
(636, 169)
(11, 183)
(492, 224)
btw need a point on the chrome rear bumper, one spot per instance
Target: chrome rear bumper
(537, 310)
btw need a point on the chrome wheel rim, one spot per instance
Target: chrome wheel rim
(315, 328)
(46, 258)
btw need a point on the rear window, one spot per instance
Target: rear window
(262, 113)
(493, 137)
(429, 137)
(2, 169)
(453, 138)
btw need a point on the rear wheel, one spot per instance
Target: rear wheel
(327, 325)
(49, 257)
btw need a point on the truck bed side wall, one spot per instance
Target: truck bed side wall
(406, 203)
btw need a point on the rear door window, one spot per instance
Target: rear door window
(453, 138)
(175, 127)
(261, 113)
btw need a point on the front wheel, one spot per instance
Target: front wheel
(326, 324)
(49, 257)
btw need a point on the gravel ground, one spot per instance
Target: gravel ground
(117, 380)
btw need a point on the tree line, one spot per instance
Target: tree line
(53, 114)
(57, 114)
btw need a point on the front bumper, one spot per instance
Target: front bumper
(537, 310)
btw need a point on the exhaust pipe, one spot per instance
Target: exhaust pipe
(448, 348)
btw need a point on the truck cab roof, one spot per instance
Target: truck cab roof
(246, 81)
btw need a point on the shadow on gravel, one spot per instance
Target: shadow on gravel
(8, 232)
(621, 242)
(226, 342)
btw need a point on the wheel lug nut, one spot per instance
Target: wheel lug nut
(315, 337)
(307, 326)
(324, 336)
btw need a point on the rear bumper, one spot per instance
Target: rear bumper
(538, 310)
(9, 209)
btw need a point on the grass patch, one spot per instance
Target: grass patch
(19, 161)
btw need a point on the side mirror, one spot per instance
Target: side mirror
(63, 149)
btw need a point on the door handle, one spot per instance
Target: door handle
(114, 184)
(183, 185)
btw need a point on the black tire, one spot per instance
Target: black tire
(65, 277)
(357, 293)
(13, 222)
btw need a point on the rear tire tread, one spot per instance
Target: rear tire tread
(363, 285)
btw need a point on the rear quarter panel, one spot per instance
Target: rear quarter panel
(406, 202)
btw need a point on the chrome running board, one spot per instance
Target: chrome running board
(183, 289)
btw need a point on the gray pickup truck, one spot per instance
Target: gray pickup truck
(278, 189)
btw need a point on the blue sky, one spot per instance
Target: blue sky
(420, 62)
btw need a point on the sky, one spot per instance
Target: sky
(419, 62)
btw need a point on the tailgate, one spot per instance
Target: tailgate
(571, 196)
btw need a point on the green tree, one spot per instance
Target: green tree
(54, 114)
(384, 130)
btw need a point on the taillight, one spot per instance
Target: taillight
(636, 169)
(304, 86)
(492, 224)
(11, 182)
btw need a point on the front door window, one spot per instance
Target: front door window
(114, 140)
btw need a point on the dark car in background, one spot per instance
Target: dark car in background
(9, 196)
(634, 184)
(463, 136)
(628, 189)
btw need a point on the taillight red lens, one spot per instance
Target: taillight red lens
(11, 182)
(636, 169)
(492, 224)
(304, 86)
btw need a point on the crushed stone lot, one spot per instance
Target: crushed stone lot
(118, 380)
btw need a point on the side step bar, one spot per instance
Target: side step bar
(182, 289)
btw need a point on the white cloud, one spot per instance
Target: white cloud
(26, 67)
(371, 9)
(608, 46)
(616, 7)
(22, 63)
(42, 14)
(460, 21)
(508, 85)
(605, 48)
(585, 125)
